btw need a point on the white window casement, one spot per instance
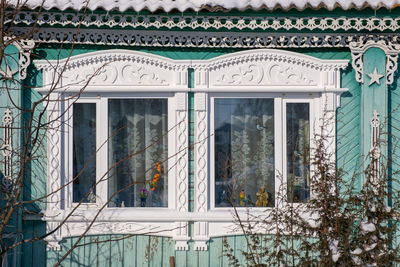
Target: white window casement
(117, 145)
(255, 115)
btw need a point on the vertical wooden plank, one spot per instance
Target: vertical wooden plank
(241, 246)
(168, 248)
(130, 252)
(231, 242)
(155, 251)
(91, 250)
(65, 244)
(77, 255)
(27, 247)
(216, 250)
(142, 251)
(103, 251)
(51, 258)
(180, 258)
(39, 247)
(204, 258)
(192, 257)
(117, 250)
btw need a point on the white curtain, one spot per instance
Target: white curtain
(298, 147)
(244, 132)
(140, 142)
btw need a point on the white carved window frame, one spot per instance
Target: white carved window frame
(305, 75)
(288, 77)
(114, 74)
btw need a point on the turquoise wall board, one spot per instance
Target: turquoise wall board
(374, 97)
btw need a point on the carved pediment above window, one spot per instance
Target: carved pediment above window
(110, 68)
(268, 69)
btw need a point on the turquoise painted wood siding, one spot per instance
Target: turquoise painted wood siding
(146, 251)
(122, 250)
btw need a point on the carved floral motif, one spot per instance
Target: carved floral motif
(115, 73)
(274, 74)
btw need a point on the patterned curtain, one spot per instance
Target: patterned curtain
(244, 151)
(140, 143)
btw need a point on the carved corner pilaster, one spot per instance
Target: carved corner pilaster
(201, 166)
(181, 236)
(357, 52)
(201, 151)
(201, 236)
(54, 146)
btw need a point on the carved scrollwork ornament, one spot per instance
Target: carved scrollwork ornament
(6, 148)
(25, 47)
(74, 19)
(375, 151)
(390, 48)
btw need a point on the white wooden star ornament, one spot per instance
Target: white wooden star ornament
(375, 77)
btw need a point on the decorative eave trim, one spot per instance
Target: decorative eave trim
(205, 22)
(199, 39)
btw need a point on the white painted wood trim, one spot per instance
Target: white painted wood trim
(132, 74)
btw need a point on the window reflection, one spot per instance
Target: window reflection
(244, 152)
(84, 150)
(298, 151)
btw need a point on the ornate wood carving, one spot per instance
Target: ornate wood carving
(6, 148)
(358, 49)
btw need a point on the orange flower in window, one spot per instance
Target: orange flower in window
(156, 177)
(153, 185)
(158, 166)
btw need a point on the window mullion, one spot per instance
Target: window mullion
(102, 148)
(280, 155)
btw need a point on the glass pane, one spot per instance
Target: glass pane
(137, 152)
(84, 151)
(298, 151)
(244, 152)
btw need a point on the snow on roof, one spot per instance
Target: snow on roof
(196, 5)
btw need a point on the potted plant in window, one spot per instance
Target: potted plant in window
(143, 193)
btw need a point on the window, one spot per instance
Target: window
(137, 144)
(298, 135)
(84, 152)
(254, 115)
(246, 139)
(243, 151)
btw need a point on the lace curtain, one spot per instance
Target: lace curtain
(139, 144)
(244, 151)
